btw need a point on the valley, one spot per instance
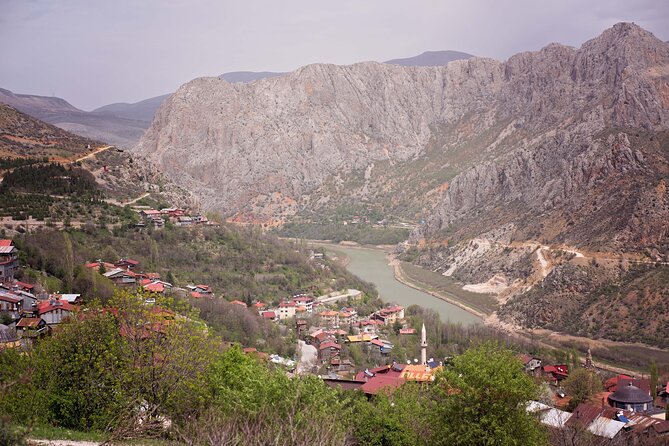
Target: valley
(441, 249)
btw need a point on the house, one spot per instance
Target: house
(126, 263)
(364, 337)
(530, 363)
(329, 318)
(202, 289)
(184, 221)
(286, 310)
(10, 304)
(31, 327)
(348, 317)
(305, 301)
(328, 350)
(389, 315)
(121, 276)
(238, 303)
(53, 311)
(556, 373)
(8, 260)
(69, 298)
(149, 214)
(618, 424)
(407, 331)
(268, 315)
(384, 347)
(622, 380)
(8, 338)
(155, 287)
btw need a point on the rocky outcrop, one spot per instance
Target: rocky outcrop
(237, 145)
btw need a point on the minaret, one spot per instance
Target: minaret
(423, 346)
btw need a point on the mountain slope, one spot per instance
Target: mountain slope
(139, 111)
(108, 128)
(24, 136)
(430, 59)
(526, 172)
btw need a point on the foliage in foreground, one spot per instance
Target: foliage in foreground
(132, 370)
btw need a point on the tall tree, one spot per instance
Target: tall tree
(581, 385)
(481, 400)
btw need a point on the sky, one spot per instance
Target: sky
(96, 52)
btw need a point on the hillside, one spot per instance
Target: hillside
(22, 135)
(53, 177)
(559, 147)
(99, 126)
(139, 111)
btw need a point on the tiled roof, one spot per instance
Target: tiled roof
(6, 242)
(53, 304)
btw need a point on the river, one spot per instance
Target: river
(372, 266)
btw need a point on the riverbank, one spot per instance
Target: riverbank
(614, 356)
(401, 276)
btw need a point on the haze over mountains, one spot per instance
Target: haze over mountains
(123, 123)
(565, 146)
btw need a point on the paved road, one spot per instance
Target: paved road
(308, 357)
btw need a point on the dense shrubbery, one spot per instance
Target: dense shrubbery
(12, 163)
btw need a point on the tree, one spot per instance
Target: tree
(581, 385)
(653, 378)
(481, 400)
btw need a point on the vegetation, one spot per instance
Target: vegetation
(245, 264)
(581, 385)
(125, 369)
(440, 284)
(12, 162)
(364, 234)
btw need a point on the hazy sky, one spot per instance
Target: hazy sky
(95, 52)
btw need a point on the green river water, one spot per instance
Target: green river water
(372, 266)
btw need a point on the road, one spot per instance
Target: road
(308, 358)
(93, 153)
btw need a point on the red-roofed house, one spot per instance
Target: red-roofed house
(287, 310)
(53, 311)
(8, 260)
(31, 327)
(269, 315)
(155, 287)
(618, 381)
(127, 263)
(238, 302)
(556, 372)
(389, 315)
(329, 318)
(327, 350)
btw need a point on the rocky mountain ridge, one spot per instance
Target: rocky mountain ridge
(537, 157)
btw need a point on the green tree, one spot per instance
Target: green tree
(82, 373)
(481, 400)
(581, 385)
(398, 418)
(653, 378)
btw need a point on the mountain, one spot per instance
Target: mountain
(138, 111)
(24, 136)
(430, 59)
(544, 175)
(100, 126)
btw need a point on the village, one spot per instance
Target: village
(328, 328)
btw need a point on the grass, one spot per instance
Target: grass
(437, 283)
(45, 432)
